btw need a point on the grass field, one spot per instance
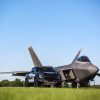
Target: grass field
(49, 94)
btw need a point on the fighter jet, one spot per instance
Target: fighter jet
(80, 71)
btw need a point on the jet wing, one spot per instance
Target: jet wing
(16, 73)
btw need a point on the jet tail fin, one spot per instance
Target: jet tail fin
(34, 57)
(76, 57)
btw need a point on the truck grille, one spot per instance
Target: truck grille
(50, 78)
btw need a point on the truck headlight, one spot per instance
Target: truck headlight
(31, 75)
(41, 76)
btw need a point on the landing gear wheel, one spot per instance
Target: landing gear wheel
(74, 85)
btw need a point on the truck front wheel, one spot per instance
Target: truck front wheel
(26, 83)
(36, 83)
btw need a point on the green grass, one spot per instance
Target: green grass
(49, 94)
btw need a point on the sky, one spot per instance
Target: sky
(56, 29)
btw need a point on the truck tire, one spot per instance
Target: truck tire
(58, 85)
(26, 83)
(36, 83)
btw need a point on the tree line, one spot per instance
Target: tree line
(16, 83)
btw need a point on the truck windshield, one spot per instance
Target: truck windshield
(45, 69)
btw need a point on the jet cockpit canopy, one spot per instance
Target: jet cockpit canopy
(83, 59)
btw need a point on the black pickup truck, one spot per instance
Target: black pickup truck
(43, 76)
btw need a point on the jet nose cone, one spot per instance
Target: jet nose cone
(93, 69)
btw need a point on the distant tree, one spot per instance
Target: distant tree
(95, 86)
(16, 83)
(0, 84)
(5, 83)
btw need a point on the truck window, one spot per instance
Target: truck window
(46, 69)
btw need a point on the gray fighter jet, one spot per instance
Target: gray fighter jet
(80, 71)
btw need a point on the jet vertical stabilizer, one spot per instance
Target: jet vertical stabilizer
(34, 57)
(76, 57)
